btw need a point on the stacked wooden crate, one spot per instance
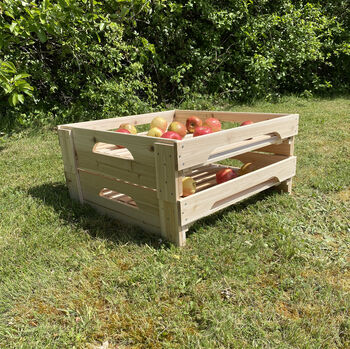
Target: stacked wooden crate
(142, 183)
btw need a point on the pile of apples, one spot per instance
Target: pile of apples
(177, 130)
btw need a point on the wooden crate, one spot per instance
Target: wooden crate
(142, 183)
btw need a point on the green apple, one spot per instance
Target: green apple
(155, 132)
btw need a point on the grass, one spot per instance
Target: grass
(270, 272)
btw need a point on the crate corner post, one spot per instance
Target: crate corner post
(70, 166)
(168, 189)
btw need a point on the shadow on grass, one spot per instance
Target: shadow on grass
(85, 217)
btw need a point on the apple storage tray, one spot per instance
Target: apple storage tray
(141, 184)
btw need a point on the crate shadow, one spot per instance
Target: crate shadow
(85, 217)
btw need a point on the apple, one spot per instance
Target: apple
(155, 132)
(171, 135)
(160, 123)
(213, 123)
(192, 122)
(246, 168)
(225, 175)
(248, 122)
(129, 127)
(121, 130)
(178, 127)
(188, 186)
(201, 131)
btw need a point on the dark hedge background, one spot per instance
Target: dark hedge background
(70, 60)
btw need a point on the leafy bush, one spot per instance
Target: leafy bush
(79, 64)
(68, 60)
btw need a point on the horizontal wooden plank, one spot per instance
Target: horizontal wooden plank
(124, 169)
(285, 148)
(146, 217)
(113, 123)
(197, 150)
(95, 182)
(259, 159)
(222, 195)
(141, 147)
(125, 218)
(182, 115)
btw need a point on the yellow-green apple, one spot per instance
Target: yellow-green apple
(225, 175)
(201, 131)
(188, 186)
(129, 127)
(246, 168)
(178, 127)
(192, 122)
(213, 123)
(121, 130)
(160, 123)
(247, 122)
(171, 135)
(155, 132)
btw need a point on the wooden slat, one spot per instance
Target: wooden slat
(285, 148)
(141, 147)
(91, 182)
(113, 123)
(124, 169)
(92, 196)
(125, 218)
(259, 159)
(206, 202)
(70, 165)
(195, 151)
(182, 115)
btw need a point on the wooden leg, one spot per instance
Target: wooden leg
(285, 186)
(170, 226)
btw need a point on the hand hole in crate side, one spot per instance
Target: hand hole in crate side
(245, 193)
(112, 150)
(118, 197)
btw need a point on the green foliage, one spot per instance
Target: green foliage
(14, 84)
(79, 63)
(86, 59)
(247, 49)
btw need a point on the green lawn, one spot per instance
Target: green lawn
(270, 272)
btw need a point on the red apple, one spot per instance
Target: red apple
(192, 122)
(225, 175)
(160, 123)
(201, 131)
(213, 123)
(248, 122)
(155, 132)
(129, 127)
(188, 186)
(178, 127)
(171, 135)
(121, 130)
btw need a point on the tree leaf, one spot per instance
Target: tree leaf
(42, 35)
(13, 99)
(8, 67)
(12, 26)
(21, 99)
